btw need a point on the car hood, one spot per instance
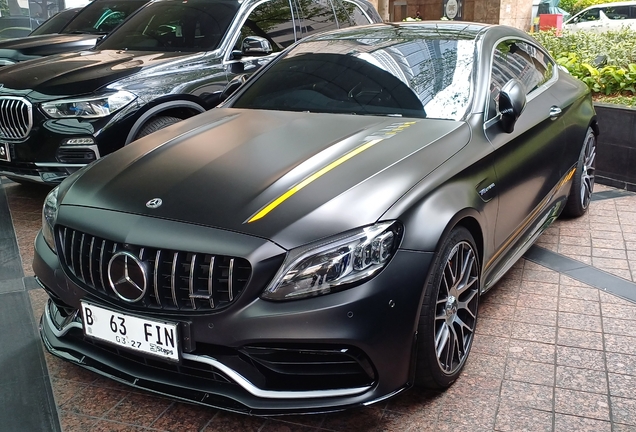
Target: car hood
(78, 73)
(31, 47)
(318, 174)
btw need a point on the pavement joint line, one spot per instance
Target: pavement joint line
(611, 194)
(582, 272)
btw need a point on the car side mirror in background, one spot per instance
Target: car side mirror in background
(232, 86)
(512, 101)
(255, 46)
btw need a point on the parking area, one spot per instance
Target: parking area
(555, 350)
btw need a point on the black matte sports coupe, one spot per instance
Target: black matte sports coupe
(322, 239)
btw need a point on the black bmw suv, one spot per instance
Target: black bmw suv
(170, 60)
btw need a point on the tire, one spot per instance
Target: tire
(449, 312)
(583, 183)
(155, 124)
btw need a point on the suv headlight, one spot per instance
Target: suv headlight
(335, 264)
(88, 107)
(49, 215)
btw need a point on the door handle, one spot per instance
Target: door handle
(555, 112)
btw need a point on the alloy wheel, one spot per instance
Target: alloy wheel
(587, 171)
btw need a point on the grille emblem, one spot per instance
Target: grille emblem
(127, 276)
(154, 203)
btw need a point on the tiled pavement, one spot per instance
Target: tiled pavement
(553, 353)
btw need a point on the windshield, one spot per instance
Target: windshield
(101, 17)
(369, 76)
(174, 26)
(56, 23)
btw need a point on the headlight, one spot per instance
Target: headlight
(88, 107)
(49, 215)
(336, 264)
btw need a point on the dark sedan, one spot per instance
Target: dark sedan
(322, 240)
(80, 31)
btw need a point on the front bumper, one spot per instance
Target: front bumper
(44, 155)
(375, 321)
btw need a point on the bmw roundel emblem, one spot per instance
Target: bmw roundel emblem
(154, 203)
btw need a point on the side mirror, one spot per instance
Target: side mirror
(232, 86)
(255, 46)
(512, 101)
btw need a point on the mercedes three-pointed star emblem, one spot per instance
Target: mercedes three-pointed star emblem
(127, 276)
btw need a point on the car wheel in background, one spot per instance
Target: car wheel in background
(156, 124)
(449, 311)
(583, 183)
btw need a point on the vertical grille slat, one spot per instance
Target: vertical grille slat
(16, 117)
(157, 270)
(211, 282)
(230, 276)
(173, 279)
(176, 280)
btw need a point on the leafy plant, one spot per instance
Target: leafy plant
(605, 62)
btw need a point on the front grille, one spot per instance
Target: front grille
(176, 280)
(16, 118)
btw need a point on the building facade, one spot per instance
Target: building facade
(516, 13)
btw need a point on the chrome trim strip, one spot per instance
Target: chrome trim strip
(49, 321)
(72, 246)
(101, 264)
(173, 279)
(81, 259)
(191, 284)
(273, 394)
(90, 261)
(230, 276)
(157, 262)
(211, 281)
(58, 165)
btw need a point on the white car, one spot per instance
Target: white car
(603, 17)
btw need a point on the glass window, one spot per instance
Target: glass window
(349, 14)
(590, 15)
(617, 12)
(56, 23)
(318, 16)
(102, 17)
(273, 21)
(384, 76)
(520, 60)
(170, 26)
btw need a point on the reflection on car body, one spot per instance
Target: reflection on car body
(322, 239)
(167, 62)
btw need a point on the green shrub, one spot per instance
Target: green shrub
(577, 52)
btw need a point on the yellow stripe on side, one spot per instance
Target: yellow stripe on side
(281, 199)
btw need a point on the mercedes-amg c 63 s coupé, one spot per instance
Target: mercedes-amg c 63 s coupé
(322, 239)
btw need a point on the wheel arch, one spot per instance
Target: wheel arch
(182, 108)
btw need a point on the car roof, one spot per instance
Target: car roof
(624, 3)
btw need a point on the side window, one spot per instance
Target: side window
(520, 60)
(349, 14)
(617, 12)
(591, 15)
(273, 21)
(318, 16)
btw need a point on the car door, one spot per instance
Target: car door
(528, 161)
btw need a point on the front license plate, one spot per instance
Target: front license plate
(4, 152)
(157, 338)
